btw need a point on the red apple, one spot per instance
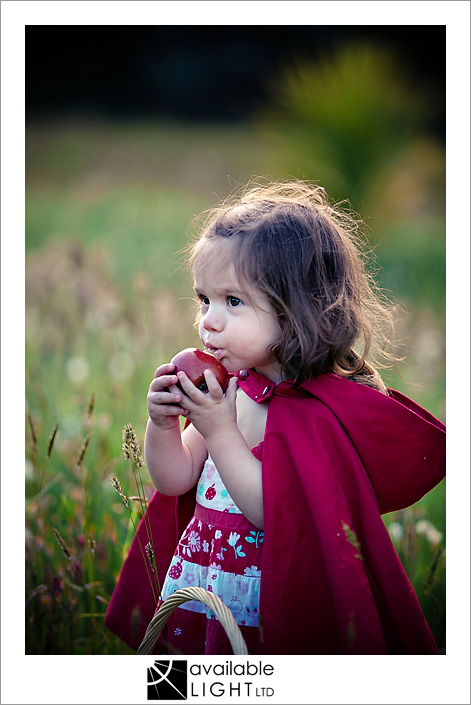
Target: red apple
(194, 362)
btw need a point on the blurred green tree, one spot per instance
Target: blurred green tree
(351, 120)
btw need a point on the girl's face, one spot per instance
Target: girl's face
(236, 328)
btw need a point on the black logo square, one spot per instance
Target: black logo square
(167, 680)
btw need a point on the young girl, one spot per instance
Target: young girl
(285, 476)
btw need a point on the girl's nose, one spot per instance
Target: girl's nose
(213, 320)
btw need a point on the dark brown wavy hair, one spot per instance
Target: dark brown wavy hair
(309, 258)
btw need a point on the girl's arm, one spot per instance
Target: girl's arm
(241, 472)
(174, 460)
(214, 417)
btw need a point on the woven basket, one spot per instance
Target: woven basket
(214, 603)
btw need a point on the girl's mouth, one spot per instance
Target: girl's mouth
(217, 352)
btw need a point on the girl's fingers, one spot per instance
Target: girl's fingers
(168, 410)
(166, 416)
(231, 390)
(194, 394)
(164, 369)
(187, 385)
(162, 382)
(214, 388)
(166, 397)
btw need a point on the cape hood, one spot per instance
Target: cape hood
(400, 444)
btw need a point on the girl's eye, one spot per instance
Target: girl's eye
(234, 301)
(204, 300)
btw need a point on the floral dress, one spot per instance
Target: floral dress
(220, 550)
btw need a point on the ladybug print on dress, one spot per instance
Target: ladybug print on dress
(210, 493)
(175, 571)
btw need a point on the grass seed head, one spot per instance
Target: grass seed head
(65, 549)
(52, 438)
(33, 433)
(83, 450)
(150, 555)
(117, 485)
(91, 405)
(131, 447)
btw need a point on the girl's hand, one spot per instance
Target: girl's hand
(163, 398)
(210, 411)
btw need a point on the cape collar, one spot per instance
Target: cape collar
(258, 387)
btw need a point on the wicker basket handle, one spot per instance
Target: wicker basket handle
(214, 603)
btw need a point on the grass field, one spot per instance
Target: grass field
(108, 208)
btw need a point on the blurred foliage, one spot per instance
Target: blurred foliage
(352, 121)
(108, 207)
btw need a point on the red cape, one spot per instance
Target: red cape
(336, 455)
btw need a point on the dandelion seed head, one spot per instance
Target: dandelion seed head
(104, 420)
(78, 369)
(29, 469)
(396, 531)
(121, 365)
(431, 533)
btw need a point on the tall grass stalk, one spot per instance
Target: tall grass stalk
(34, 450)
(44, 489)
(132, 452)
(52, 438)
